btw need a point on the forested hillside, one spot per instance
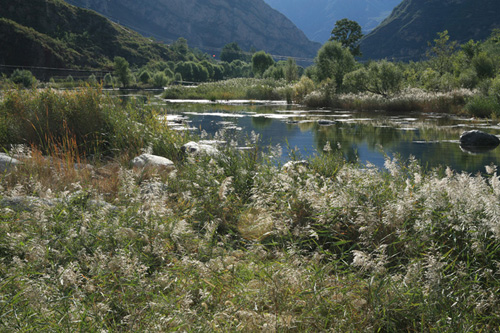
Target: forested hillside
(210, 24)
(54, 34)
(405, 34)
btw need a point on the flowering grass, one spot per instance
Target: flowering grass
(233, 243)
(233, 89)
(409, 100)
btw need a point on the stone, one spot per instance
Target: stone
(195, 148)
(478, 139)
(7, 163)
(148, 160)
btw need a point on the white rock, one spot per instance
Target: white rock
(194, 148)
(7, 162)
(145, 160)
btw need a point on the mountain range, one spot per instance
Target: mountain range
(51, 33)
(317, 17)
(210, 24)
(405, 34)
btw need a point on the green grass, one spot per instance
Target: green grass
(233, 89)
(233, 243)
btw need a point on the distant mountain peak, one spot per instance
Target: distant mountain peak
(210, 24)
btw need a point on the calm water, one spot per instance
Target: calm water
(361, 136)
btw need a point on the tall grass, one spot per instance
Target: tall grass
(232, 242)
(233, 89)
(83, 121)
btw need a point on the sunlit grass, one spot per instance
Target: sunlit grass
(231, 242)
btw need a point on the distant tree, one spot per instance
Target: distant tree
(122, 71)
(160, 80)
(383, 78)
(231, 52)
(24, 78)
(144, 77)
(181, 46)
(348, 33)
(440, 53)
(333, 62)
(291, 70)
(261, 61)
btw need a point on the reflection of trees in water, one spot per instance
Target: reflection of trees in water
(261, 122)
(432, 148)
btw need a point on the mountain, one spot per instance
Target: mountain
(405, 34)
(210, 24)
(52, 33)
(317, 17)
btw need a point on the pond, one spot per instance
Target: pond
(365, 137)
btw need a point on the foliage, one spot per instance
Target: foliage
(261, 61)
(231, 52)
(334, 61)
(122, 71)
(302, 88)
(440, 52)
(23, 78)
(348, 33)
(383, 78)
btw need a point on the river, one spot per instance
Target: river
(364, 137)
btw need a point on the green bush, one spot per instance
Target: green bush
(24, 78)
(483, 106)
(159, 80)
(144, 77)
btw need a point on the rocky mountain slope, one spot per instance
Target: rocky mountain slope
(51, 33)
(317, 17)
(210, 24)
(405, 34)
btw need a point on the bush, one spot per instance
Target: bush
(144, 77)
(301, 89)
(159, 80)
(24, 78)
(483, 106)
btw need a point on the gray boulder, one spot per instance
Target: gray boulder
(7, 163)
(195, 148)
(148, 160)
(478, 140)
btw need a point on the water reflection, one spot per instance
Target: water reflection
(363, 137)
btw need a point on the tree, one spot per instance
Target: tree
(383, 78)
(231, 52)
(291, 70)
(348, 33)
(333, 62)
(260, 62)
(440, 53)
(122, 71)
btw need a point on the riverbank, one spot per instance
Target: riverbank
(231, 241)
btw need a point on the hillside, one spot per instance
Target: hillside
(210, 24)
(405, 33)
(317, 21)
(52, 33)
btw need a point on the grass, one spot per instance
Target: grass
(233, 243)
(409, 100)
(236, 89)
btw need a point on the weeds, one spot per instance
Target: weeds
(231, 242)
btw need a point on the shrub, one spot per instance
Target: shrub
(483, 106)
(24, 78)
(159, 80)
(301, 89)
(144, 77)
